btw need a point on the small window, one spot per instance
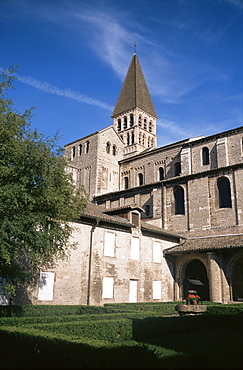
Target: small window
(107, 288)
(143, 140)
(114, 150)
(150, 127)
(126, 182)
(131, 120)
(179, 201)
(134, 255)
(140, 121)
(80, 149)
(125, 122)
(109, 244)
(140, 179)
(147, 210)
(157, 289)
(87, 146)
(205, 156)
(119, 125)
(224, 193)
(73, 152)
(157, 252)
(46, 286)
(140, 138)
(161, 174)
(108, 147)
(148, 142)
(177, 169)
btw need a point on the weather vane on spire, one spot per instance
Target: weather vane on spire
(135, 47)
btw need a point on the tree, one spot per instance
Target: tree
(37, 197)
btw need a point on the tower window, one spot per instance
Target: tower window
(224, 192)
(177, 169)
(108, 147)
(131, 120)
(143, 140)
(161, 174)
(114, 150)
(140, 138)
(150, 126)
(145, 124)
(73, 152)
(205, 156)
(80, 149)
(128, 139)
(140, 121)
(179, 201)
(132, 138)
(119, 125)
(148, 142)
(125, 122)
(140, 179)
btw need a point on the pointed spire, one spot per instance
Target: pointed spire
(134, 92)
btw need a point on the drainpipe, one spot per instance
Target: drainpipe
(90, 259)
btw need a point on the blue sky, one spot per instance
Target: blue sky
(73, 56)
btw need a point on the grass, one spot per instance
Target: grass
(143, 340)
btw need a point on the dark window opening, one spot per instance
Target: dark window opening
(119, 125)
(114, 150)
(140, 179)
(224, 193)
(73, 152)
(131, 120)
(139, 121)
(177, 169)
(150, 126)
(205, 156)
(126, 182)
(147, 210)
(125, 122)
(135, 219)
(87, 146)
(179, 201)
(161, 174)
(80, 149)
(108, 147)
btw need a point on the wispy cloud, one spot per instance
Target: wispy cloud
(67, 93)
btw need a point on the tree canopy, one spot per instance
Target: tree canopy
(37, 197)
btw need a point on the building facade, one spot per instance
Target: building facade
(160, 221)
(192, 188)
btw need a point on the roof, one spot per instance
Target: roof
(210, 243)
(94, 211)
(134, 92)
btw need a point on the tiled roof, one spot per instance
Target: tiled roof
(96, 212)
(203, 244)
(134, 92)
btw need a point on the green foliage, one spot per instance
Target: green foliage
(37, 197)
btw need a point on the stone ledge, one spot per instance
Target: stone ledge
(190, 309)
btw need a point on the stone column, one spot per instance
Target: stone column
(214, 275)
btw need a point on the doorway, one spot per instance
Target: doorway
(196, 279)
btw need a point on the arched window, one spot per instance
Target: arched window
(143, 140)
(114, 150)
(132, 138)
(131, 120)
(140, 178)
(108, 147)
(161, 174)
(205, 156)
(177, 169)
(140, 138)
(125, 122)
(80, 149)
(126, 182)
(148, 142)
(224, 192)
(119, 125)
(140, 121)
(150, 126)
(87, 146)
(128, 139)
(73, 151)
(145, 124)
(179, 201)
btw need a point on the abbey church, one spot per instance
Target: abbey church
(160, 221)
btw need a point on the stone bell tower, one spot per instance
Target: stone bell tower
(134, 116)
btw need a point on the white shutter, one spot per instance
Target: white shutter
(156, 289)
(107, 291)
(109, 244)
(134, 248)
(46, 286)
(156, 252)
